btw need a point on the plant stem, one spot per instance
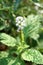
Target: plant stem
(22, 36)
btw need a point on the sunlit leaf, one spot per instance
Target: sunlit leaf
(33, 26)
(7, 39)
(33, 55)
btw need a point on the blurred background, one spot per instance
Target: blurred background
(10, 9)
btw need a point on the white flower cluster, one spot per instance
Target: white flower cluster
(20, 23)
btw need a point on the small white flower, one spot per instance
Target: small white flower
(22, 28)
(18, 29)
(19, 18)
(17, 24)
(20, 22)
(23, 24)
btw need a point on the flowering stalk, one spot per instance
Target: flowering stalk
(20, 23)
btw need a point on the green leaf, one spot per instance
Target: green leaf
(18, 61)
(3, 54)
(35, 0)
(40, 44)
(3, 61)
(7, 39)
(2, 25)
(33, 26)
(6, 59)
(11, 61)
(33, 55)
